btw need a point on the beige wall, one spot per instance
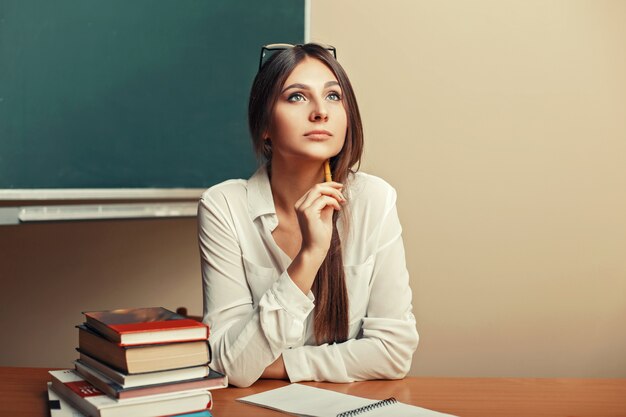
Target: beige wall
(503, 126)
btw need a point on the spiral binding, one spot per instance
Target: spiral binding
(366, 408)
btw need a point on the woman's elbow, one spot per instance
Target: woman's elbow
(241, 381)
(235, 377)
(396, 368)
(400, 357)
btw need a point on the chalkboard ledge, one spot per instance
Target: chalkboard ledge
(101, 194)
(29, 214)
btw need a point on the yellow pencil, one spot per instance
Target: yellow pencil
(328, 176)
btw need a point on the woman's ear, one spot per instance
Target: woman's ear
(267, 148)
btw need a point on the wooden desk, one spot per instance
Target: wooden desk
(23, 393)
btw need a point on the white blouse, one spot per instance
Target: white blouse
(256, 312)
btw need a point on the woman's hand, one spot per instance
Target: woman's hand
(314, 211)
(315, 217)
(276, 370)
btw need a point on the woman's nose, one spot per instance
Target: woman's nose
(319, 113)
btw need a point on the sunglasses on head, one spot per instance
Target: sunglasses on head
(271, 48)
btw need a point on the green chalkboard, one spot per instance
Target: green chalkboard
(131, 93)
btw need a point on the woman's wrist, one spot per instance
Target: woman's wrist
(313, 257)
(304, 268)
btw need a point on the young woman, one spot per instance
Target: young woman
(305, 278)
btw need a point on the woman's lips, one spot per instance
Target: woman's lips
(318, 134)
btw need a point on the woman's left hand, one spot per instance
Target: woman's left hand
(276, 370)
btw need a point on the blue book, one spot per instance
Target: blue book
(205, 413)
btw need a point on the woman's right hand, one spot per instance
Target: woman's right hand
(315, 216)
(314, 211)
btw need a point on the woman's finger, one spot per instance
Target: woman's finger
(320, 204)
(317, 191)
(321, 188)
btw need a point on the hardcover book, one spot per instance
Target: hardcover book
(143, 358)
(138, 326)
(214, 380)
(145, 378)
(69, 385)
(59, 407)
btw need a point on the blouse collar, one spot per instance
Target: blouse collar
(260, 199)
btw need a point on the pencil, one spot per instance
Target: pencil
(328, 176)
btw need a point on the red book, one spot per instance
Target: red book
(140, 326)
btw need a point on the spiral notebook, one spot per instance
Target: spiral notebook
(305, 401)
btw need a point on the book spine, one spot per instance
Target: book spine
(93, 380)
(102, 349)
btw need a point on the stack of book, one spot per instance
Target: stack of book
(139, 362)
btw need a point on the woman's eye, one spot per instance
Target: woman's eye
(296, 97)
(334, 96)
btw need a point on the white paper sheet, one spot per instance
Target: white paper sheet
(306, 401)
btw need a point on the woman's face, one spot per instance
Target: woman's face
(309, 119)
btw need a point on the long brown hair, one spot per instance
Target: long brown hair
(329, 287)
